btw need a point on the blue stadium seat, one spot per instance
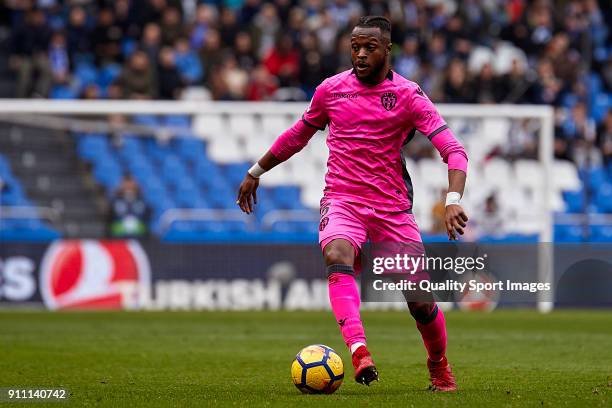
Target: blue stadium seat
(235, 172)
(568, 233)
(162, 204)
(207, 173)
(287, 197)
(3, 161)
(108, 173)
(594, 176)
(91, 146)
(86, 74)
(63, 92)
(188, 195)
(146, 120)
(603, 198)
(157, 151)
(107, 75)
(153, 190)
(222, 199)
(601, 233)
(130, 147)
(190, 148)
(173, 171)
(574, 201)
(177, 121)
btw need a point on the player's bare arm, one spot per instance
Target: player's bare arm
(247, 192)
(455, 217)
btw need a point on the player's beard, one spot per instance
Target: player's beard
(375, 71)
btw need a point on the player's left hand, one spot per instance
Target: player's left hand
(455, 219)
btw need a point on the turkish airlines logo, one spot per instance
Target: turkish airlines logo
(89, 274)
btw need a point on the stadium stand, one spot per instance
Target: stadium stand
(460, 52)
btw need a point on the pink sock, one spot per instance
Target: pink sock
(344, 299)
(434, 335)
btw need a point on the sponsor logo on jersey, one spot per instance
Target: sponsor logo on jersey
(344, 95)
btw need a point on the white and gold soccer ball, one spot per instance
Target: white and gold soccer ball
(317, 369)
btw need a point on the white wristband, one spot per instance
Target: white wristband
(453, 198)
(256, 170)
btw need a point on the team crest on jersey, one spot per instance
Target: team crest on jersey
(388, 100)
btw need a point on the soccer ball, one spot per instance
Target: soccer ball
(317, 369)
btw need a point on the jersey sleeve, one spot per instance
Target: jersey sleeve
(423, 114)
(315, 115)
(426, 119)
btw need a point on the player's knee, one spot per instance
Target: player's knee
(421, 311)
(339, 254)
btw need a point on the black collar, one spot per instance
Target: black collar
(389, 74)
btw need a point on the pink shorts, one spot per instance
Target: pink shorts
(359, 223)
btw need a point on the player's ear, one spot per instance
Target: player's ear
(389, 46)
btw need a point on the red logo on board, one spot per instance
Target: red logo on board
(89, 274)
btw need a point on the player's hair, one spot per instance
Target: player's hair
(376, 21)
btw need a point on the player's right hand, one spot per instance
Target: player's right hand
(247, 193)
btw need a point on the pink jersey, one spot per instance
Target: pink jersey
(368, 126)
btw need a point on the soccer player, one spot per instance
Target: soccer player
(372, 112)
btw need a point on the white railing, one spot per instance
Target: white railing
(272, 217)
(201, 214)
(21, 212)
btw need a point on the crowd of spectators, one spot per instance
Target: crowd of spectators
(471, 51)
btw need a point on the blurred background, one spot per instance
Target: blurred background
(139, 118)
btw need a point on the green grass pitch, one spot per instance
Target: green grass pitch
(504, 358)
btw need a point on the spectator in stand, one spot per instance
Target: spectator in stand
(138, 78)
(438, 215)
(457, 88)
(59, 61)
(580, 132)
(168, 78)
(151, 41)
(491, 223)
(407, 63)
(78, 35)
(245, 55)
(187, 62)
(283, 61)
(91, 91)
(211, 55)
(235, 78)
(129, 213)
(171, 26)
(248, 11)
(29, 55)
(547, 89)
(205, 19)
(604, 138)
(266, 25)
(485, 86)
(124, 18)
(262, 85)
(228, 28)
(312, 70)
(107, 38)
(343, 11)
